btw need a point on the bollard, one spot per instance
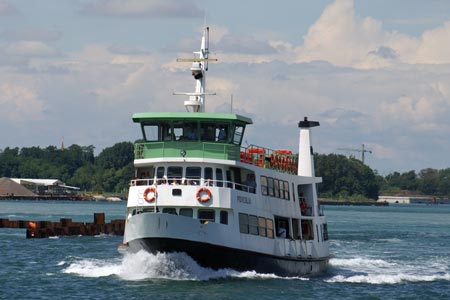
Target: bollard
(99, 218)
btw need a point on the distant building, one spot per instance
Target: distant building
(412, 200)
(10, 188)
(46, 186)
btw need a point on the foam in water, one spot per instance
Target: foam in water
(143, 265)
(378, 271)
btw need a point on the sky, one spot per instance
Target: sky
(371, 72)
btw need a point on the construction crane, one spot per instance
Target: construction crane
(363, 150)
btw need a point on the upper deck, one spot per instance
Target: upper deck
(205, 136)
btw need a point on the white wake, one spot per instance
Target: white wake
(143, 265)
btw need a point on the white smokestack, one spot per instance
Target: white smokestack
(305, 151)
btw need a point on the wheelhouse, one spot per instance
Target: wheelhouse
(199, 135)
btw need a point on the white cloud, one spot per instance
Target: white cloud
(29, 49)
(144, 8)
(342, 38)
(19, 103)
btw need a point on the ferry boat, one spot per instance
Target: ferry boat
(199, 190)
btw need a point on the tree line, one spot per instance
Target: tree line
(112, 169)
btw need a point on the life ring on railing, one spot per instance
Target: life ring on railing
(150, 194)
(203, 194)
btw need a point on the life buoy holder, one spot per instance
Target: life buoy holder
(203, 194)
(150, 194)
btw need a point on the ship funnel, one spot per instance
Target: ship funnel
(305, 150)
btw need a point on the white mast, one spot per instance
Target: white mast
(196, 102)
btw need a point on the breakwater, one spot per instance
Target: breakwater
(66, 227)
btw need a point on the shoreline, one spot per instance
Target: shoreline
(352, 203)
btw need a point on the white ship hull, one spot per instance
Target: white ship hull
(212, 246)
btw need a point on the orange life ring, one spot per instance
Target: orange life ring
(150, 194)
(206, 194)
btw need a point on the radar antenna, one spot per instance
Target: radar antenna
(196, 102)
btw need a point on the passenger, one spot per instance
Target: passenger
(250, 183)
(208, 182)
(164, 180)
(303, 207)
(192, 133)
(282, 230)
(222, 134)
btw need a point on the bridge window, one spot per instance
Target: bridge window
(238, 134)
(151, 133)
(208, 132)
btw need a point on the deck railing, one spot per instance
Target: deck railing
(280, 160)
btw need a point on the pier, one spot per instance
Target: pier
(66, 227)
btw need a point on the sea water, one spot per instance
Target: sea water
(395, 252)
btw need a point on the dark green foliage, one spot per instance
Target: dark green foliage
(110, 171)
(344, 177)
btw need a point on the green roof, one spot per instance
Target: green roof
(149, 116)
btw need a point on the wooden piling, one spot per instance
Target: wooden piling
(66, 227)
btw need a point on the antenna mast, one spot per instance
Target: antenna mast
(196, 102)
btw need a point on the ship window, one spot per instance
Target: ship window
(223, 217)
(166, 132)
(187, 212)
(264, 189)
(325, 232)
(193, 175)
(282, 195)
(286, 190)
(253, 224)
(295, 232)
(238, 133)
(219, 177)
(221, 133)
(243, 223)
(178, 128)
(207, 132)
(276, 188)
(190, 132)
(177, 192)
(206, 215)
(208, 175)
(269, 228)
(307, 230)
(270, 186)
(262, 226)
(169, 210)
(174, 174)
(160, 174)
(151, 133)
